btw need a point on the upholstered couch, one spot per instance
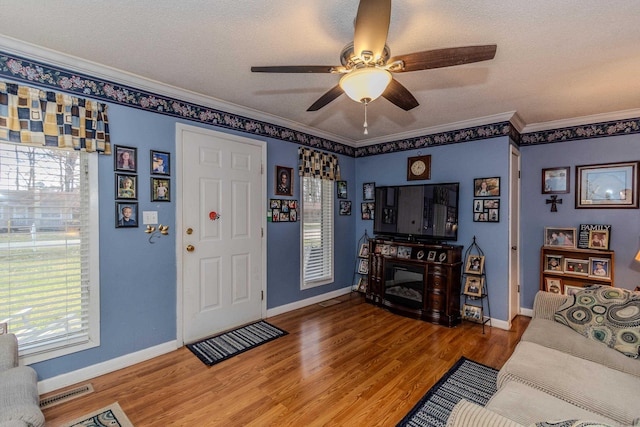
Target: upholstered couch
(555, 373)
(19, 401)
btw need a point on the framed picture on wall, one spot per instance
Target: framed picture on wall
(160, 163)
(369, 191)
(125, 158)
(486, 187)
(611, 185)
(284, 181)
(342, 189)
(126, 214)
(556, 180)
(126, 186)
(160, 190)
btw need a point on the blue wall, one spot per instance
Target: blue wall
(536, 214)
(138, 279)
(456, 163)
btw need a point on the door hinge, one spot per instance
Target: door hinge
(261, 169)
(261, 295)
(518, 288)
(261, 232)
(519, 175)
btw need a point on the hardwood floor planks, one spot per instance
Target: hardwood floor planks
(347, 364)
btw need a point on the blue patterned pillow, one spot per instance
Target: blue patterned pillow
(605, 314)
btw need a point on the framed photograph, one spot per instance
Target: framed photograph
(284, 181)
(431, 256)
(556, 180)
(553, 285)
(362, 284)
(560, 237)
(599, 267)
(364, 250)
(369, 191)
(160, 163)
(345, 207)
(480, 217)
(599, 239)
(126, 186)
(576, 266)
(486, 187)
(554, 263)
(478, 205)
(571, 290)
(594, 236)
(160, 190)
(367, 209)
(363, 266)
(125, 158)
(472, 312)
(342, 189)
(404, 252)
(473, 286)
(611, 185)
(475, 264)
(126, 214)
(393, 250)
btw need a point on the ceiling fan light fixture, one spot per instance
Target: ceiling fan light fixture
(365, 83)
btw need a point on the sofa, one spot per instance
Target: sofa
(559, 374)
(19, 400)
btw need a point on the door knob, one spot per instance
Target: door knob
(190, 248)
(189, 230)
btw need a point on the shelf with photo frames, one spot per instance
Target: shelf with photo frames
(564, 270)
(361, 268)
(474, 286)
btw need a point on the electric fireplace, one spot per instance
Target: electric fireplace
(404, 283)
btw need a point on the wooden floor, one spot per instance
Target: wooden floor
(350, 364)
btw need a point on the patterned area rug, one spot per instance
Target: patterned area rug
(466, 379)
(111, 416)
(221, 347)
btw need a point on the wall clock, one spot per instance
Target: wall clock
(419, 167)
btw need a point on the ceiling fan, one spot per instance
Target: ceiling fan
(367, 64)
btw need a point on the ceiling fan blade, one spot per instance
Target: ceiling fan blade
(400, 96)
(372, 27)
(296, 69)
(447, 57)
(332, 94)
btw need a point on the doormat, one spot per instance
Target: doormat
(110, 416)
(221, 347)
(465, 380)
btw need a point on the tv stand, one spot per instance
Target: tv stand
(416, 280)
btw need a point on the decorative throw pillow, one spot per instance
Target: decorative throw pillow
(570, 423)
(605, 314)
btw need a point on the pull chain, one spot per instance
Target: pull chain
(365, 125)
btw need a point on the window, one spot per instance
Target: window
(317, 226)
(49, 249)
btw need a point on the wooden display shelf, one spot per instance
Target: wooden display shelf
(574, 268)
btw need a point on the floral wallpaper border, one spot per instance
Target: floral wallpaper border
(22, 69)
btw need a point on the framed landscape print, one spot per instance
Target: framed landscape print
(555, 180)
(610, 185)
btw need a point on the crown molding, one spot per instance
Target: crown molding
(101, 71)
(581, 121)
(448, 127)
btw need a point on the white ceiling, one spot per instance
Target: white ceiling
(557, 62)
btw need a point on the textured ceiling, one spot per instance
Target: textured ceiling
(557, 61)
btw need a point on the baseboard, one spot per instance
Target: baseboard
(84, 374)
(526, 312)
(306, 302)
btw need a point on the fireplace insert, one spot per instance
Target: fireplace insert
(404, 284)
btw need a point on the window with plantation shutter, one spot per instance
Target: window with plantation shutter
(49, 249)
(317, 225)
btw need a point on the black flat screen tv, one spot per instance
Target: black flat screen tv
(422, 213)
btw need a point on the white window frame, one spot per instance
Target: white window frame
(54, 350)
(327, 231)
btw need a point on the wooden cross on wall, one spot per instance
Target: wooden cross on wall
(554, 201)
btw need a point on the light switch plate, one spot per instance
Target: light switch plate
(149, 217)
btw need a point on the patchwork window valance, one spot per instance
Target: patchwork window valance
(34, 116)
(318, 164)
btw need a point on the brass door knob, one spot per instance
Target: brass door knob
(189, 230)
(191, 248)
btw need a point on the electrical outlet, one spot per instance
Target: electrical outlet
(3, 328)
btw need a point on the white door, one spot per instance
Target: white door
(222, 206)
(514, 227)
